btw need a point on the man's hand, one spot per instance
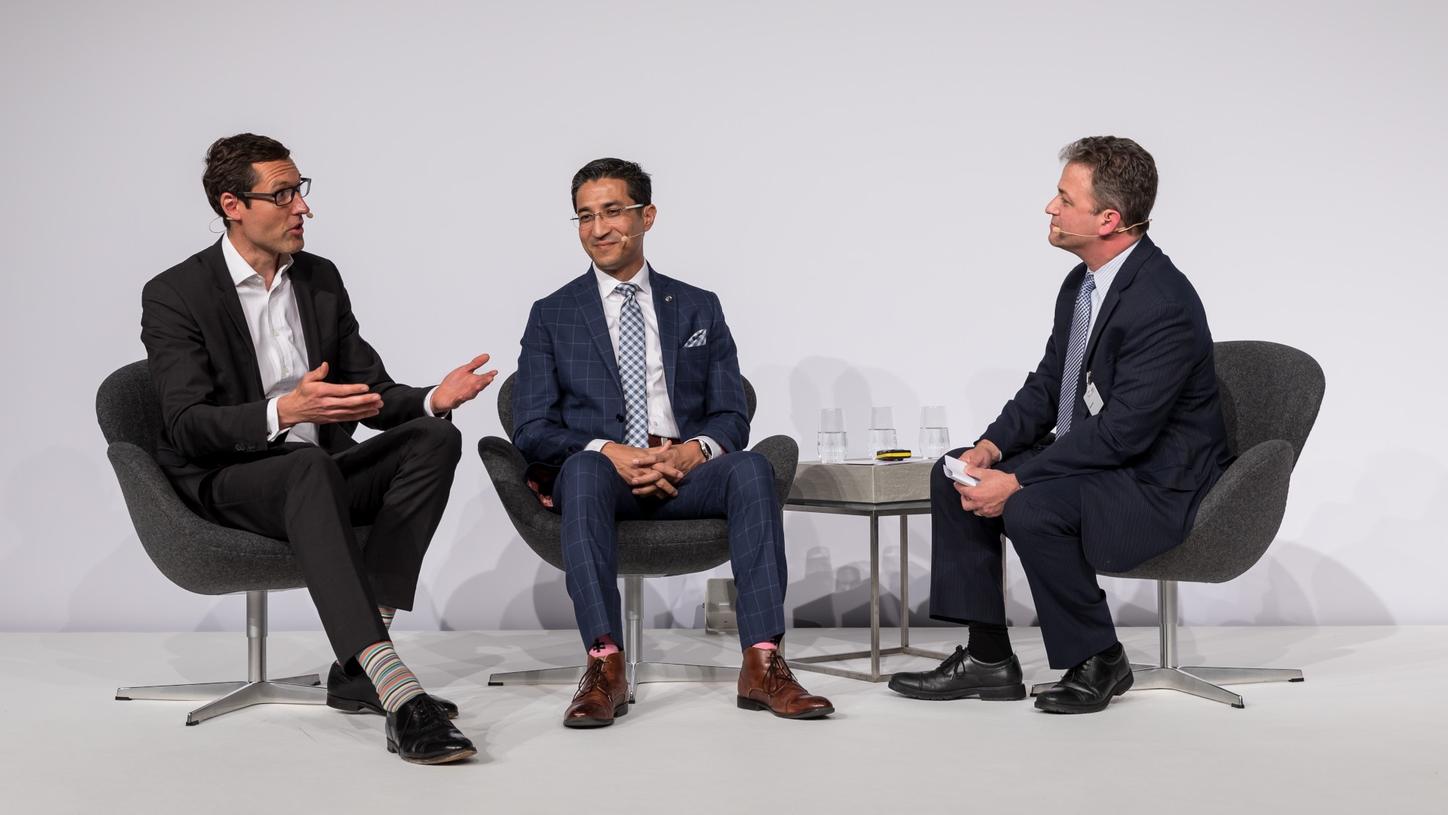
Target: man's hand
(636, 465)
(462, 384)
(319, 402)
(675, 460)
(983, 455)
(988, 498)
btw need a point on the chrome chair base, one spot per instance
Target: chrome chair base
(639, 671)
(1199, 681)
(225, 697)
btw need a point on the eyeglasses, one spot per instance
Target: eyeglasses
(282, 197)
(608, 214)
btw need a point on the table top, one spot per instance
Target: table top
(900, 488)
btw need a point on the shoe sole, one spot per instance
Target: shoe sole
(1122, 686)
(445, 758)
(745, 703)
(997, 693)
(356, 706)
(584, 724)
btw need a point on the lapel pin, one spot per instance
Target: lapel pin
(668, 298)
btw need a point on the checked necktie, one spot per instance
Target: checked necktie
(1075, 350)
(631, 367)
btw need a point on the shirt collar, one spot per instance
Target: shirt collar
(240, 270)
(607, 284)
(1107, 273)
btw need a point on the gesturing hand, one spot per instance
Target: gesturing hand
(320, 402)
(462, 384)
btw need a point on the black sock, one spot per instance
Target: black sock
(1113, 653)
(989, 642)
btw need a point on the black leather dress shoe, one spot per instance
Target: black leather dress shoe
(420, 733)
(961, 676)
(356, 694)
(1090, 686)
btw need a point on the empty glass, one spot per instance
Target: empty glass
(832, 435)
(882, 430)
(934, 433)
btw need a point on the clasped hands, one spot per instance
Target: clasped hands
(655, 471)
(988, 498)
(320, 402)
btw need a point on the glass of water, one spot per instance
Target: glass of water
(882, 430)
(934, 432)
(832, 435)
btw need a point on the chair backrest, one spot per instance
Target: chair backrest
(127, 408)
(505, 402)
(1269, 391)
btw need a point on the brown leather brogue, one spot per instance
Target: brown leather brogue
(602, 693)
(766, 683)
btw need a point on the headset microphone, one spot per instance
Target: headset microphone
(310, 215)
(627, 238)
(1058, 229)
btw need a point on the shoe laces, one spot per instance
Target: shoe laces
(592, 677)
(954, 662)
(777, 674)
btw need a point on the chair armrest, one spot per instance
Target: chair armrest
(505, 465)
(783, 455)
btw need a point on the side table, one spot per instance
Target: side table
(875, 492)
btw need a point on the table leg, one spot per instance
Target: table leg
(904, 581)
(874, 595)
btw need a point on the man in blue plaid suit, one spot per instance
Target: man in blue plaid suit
(628, 404)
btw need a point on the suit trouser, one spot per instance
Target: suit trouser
(397, 481)
(738, 487)
(1043, 521)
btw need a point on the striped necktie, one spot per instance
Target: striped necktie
(1075, 351)
(631, 367)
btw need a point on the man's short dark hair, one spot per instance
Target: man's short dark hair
(228, 164)
(1123, 175)
(640, 188)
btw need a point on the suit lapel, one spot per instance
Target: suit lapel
(301, 277)
(231, 304)
(666, 308)
(585, 294)
(1144, 249)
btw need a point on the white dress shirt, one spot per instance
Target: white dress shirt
(656, 388)
(1104, 277)
(275, 325)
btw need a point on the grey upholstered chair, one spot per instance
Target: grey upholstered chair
(195, 554)
(645, 549)
(1270, 397)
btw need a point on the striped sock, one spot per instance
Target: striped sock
(387, 614)
(395, 684)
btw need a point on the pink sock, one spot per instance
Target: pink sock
(603, 646)
(765, 646)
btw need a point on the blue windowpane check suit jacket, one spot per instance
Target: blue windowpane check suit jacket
(568, 391)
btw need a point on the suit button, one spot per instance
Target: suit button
(240, 446)
(619, 417)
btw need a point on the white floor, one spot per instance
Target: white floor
(1367, 732)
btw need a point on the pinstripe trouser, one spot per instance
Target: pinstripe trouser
(738, 487)
(1043, 521)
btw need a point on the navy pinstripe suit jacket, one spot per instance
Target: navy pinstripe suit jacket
(1150, 357)
(568, 391)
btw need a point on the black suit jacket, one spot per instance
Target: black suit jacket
(1150, 357)
(204, 365)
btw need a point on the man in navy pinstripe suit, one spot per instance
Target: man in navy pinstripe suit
(629, 401)
(1128, 384)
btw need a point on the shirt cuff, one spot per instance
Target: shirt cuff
(711, 447)
(596, 446)
(273, 424)
(427, 404)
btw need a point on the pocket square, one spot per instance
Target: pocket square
(698, 338)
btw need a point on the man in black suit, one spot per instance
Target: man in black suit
(262, 375)
(1128, 383)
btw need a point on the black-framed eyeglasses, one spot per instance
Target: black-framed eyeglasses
(282, 197)
(584, 219)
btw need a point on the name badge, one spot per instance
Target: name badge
(1092, 397)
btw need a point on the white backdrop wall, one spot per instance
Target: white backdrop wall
(861, 183)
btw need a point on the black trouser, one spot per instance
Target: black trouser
(397, 482)
(1043, 521)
